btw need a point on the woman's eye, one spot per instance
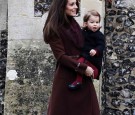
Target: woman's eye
(72, 4)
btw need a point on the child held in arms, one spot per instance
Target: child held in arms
(94, 44)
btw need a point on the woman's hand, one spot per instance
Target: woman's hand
(89, 71)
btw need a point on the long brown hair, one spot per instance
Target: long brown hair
(56, 18)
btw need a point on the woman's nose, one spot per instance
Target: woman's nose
(76, 6)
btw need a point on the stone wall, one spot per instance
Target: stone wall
(118, 86)
(3, 51)
(30, 63)
(29, 77)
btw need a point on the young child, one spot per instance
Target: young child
(92, 52)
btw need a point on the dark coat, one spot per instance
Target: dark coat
(93, 40)
(64, 101)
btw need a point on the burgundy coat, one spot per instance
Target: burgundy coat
(64, 101)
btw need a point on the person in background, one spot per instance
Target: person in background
(63, 34)
(93, 48)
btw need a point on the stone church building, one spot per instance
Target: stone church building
(27, 63)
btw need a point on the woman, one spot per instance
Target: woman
(64, 36)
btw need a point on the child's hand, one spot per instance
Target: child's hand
(92, 52)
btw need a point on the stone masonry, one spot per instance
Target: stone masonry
(118, 83)
(3, 51)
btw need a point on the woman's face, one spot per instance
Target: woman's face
(71, 8)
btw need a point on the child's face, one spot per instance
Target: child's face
(93, 23)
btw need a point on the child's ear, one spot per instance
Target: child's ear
(100, 26)
(84, 24)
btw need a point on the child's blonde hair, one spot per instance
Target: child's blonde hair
(89, 14)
